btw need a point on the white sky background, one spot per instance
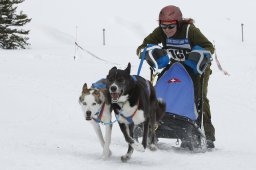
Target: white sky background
(41, 123)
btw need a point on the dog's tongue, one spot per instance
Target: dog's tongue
(115, 96)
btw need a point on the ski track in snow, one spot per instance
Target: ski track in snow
(50, 124)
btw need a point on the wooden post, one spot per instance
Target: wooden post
(104, 43)
(242, 26)
(75, 43)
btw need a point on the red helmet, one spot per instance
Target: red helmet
(170, 13)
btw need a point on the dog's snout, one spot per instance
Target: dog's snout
(113, 88)
(88, 113)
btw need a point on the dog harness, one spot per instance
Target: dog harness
(100, 114)
(99, 84)
(129, 118)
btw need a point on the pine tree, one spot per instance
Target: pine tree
(11, 37)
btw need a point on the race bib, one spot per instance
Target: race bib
(178, 54)
(178, 49)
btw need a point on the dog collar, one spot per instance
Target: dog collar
(99, 114)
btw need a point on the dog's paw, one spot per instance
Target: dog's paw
(138, 147)
(106, 154)
(152, 147)
(125, 158)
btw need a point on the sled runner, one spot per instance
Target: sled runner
(184, 109)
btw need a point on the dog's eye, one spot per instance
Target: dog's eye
(110, 79)
(120, 80)
(94, 104)
(84, 103)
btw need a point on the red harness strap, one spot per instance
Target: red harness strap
(129, 119)
(100, 114)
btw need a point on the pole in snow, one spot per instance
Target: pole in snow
(242, 26)
(104, 43)
(75, 43)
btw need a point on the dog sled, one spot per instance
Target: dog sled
(184, 105)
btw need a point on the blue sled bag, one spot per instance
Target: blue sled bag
(176, 88)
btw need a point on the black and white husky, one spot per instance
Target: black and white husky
(96, 109)
(134, 101)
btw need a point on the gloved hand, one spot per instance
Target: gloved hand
(198, 59)
(148, 48)
(157, 57)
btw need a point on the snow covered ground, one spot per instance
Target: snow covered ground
(41, 123)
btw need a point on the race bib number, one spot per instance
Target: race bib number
(178, 54)
(178, 49)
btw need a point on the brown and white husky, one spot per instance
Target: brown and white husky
(96, 109)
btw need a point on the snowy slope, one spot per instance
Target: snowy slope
(41, 123)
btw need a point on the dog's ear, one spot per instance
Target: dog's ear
(85, 88)
(128, 69)
(96, 93)
(113, 69)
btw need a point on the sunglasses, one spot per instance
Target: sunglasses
(169, 26)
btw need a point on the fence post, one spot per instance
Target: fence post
(75, 43)
(104, 43)
(242, 26)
